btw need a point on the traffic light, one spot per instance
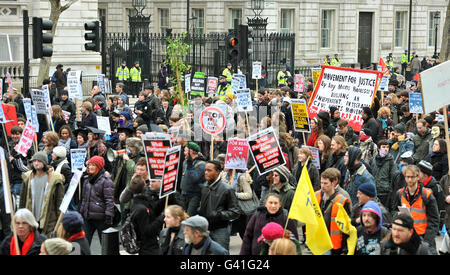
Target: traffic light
(40, 37)
(245, 36)
(93, 36)
(232, 46)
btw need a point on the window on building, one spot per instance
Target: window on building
(325, 28)
(199, 23)
(235, 14)
(286, 22)
(432, 27)
(400, 26)
(164, 20)
(11, 48)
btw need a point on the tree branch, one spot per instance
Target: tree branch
(67, 5)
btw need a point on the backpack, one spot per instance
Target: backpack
(54, 77)
(128, 237)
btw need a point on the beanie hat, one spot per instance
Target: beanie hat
(97, 161)
(60, 151)
(57, 246)
(284, 173)
(429, 119)
(72, 222)
(368, 189)
(400, 128)
(126, 115)
(425, 167)
(405, 221)
(142, 128)
(332, 110)
(194, 146)
(64, 92)
(271, 231)
(41, 156)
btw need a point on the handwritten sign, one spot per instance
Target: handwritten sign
(235, 84)
(256, 72)
(212, 84)
(70, 191)
(171, 167)
(40, 101)
(237, 154)
(156, 146)
(34, 119)
(415, 103)
(103, 124)
(300, 115)
(243, 100)
(78, 159)
(173, 132)
(384, 83)
(26, 140)
(348, 89)
(187, 83)
(101, 83)
(46, 90)
(74, 84)
(27, 107)
(315, 75)
(299, 81)
(107, 86)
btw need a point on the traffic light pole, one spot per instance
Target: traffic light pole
(26, 57)
(103, 45)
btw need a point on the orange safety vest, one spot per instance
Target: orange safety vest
(417, 209)
(335, 232)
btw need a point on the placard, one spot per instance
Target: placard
(243, 100)
(235, 84)
(46, 90)
(299, 81)
(266, 151)
(156, 146)
(187, 83)
(78, 159)
(384, 84)
(315, 155)
(256, 70)
(410, 86)
(74, 84)
(171, 166)
(107, 86)
(300, 116)
(70, 191)
(237, 154)
(198, 85)
(40, 101)
(34, 119)
(242, 81)
(212, 84)
(173, 133)
(27, 107)
(101, 83)
(26, 140)
(103, 124)
(9, 81)
(348, 89)
(315, 75)
(67, 116)
(212, 120)
(435, 86)
(415, 103)
(1, 88)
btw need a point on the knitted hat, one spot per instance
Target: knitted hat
(404, 220)
(41, 156)
(284, 173)
(271, 231)
(425, 167)
(72, 222)
(194, 146)
(400, 128)
(429, 119)
(97, 161)
(142, 128)
(57, 246)
(126, 115)
(368, 189)
(64, 92)
(60, 151)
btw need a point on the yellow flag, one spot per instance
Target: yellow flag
(345, 225)
(305, 209)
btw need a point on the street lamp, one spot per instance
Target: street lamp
(139, 4)
(436, 17)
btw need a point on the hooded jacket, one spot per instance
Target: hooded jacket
(97, 200)
(328, 128)
(371, 123)
(369, 243)
(383, 171)
(337, 161)
(421, 145)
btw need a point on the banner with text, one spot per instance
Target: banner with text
(156, 146)
(237, 154)
(26, 140)
(171, 166)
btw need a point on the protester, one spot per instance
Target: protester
(281, 185)
(421, 141)
(58, 118)
(282, 246)
(171, 238)
(197, 237)
(56, 246)
(272, 232)
(324, 146)
(347, 132)
(71, 230)
(438, 158)
(305, 158)
(316, 131)
(68, 106)
(336, 159)
(369, 148)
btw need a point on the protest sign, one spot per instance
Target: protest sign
(5, 181)
(107, 86)
(26, 140)
(39, 100)
(243, 100)
(156, 146)
(46, 90)
(212, 85)
(78, 159)
(212, 120)
(101, 83)
(299, 81)
(1, 88)
(415, 103)
(9, 81)
(347, 89)
(300, 115)
(256, 72)
(242, 81)
(187, 83)
(435, 87)
(103, 124)
(74, 84)
(66, 116)
(235, 84)
(70, 191)
(10, 114)
(27, 107)
(411, 86)
(315, 75)
(237, 154)
(171, 166)
(384, 83)
(34, 119)
(173, 133)
(198, 84)
(266, 151)
(315, 155)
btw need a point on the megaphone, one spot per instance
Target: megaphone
(111, 154)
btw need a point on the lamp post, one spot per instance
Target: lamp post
(436, 24)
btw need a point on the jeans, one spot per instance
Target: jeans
(94, 225)
(222, 236)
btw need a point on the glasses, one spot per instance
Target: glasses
(21, 223)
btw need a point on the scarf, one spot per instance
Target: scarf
(383, 121)
(26, 245)
(76, 236)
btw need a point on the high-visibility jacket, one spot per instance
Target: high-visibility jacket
(335, 233)
(227, 73)
(404, 59)
(282, 80)
(135, 74)
(123, 74)
(222, 91)
(336, 62)
(326, 62)
(417, 208)
(390, 65)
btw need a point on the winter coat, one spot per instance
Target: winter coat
(438, 193)
(383, 171)
(35, 248)
(218, 204)
(52, 199)
(385, 213)
(65, 170)
(337, 161)
(328, 128)
(398, 148)
(178, 244)
(369, 243)
(369, 149)
(354, 180)
(143, 106)
(258, 220)
(209, 247)
(287, 192)
(421, 145)
(440, 165)
(313, 173)
(193, 177)
(97, 196)
(445, 184)
(415, 246)
(381, 130)
(350, 137)
(372, 125)
(88, 120)
(85, 248)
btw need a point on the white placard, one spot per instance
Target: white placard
(6, 187)
(187, 83)
(256, 72)
(103, 124)
(243, 100)
(40, 101)
(78, 159)
(74, 85)
(70, 191)
(435, 87)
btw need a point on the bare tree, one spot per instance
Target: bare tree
(56, 10)
(445, 51)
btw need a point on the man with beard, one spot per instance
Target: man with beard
(196, 236)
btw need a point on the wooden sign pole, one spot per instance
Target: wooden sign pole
(447, 139)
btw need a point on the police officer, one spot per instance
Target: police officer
(123, 73)
(327, 61)
(283, 76)
(135, 75)
(223, 88)
(227, 73)
(336, 61)
(404, 62)
(390, 64)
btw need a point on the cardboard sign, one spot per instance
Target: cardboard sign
(70, 191)
(173, 133)
(315, 154)
(40, 101)
(212, 84)
(101, 83)
(266, 151)
(103, 124)
(26, 140)
(243, 100)
(315, 75)
(415, 103)
(212, 120)
(187, 83)
(78, 159)
(347, 89)
(237, 154)
(156, 146)
(171, 166)
(299, 81)
(300, 115)
(74, 85)
(256, 72)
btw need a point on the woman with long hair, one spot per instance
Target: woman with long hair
(58, 118)
(171, 238)
(316, 131)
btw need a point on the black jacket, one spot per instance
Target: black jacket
(415, 246)
(337, 161)
(178, 244)
(88, 120)
(69, 106)
(35, 248)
